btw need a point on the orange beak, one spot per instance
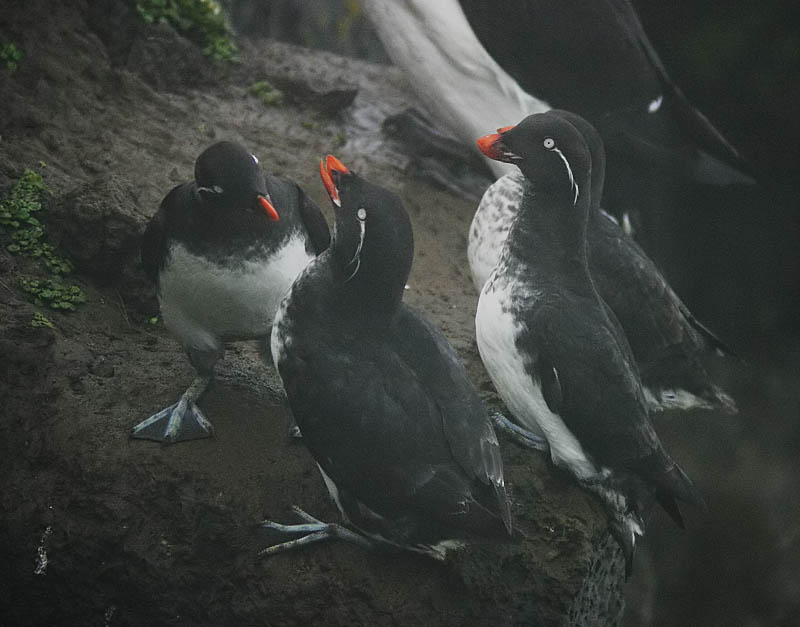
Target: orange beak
(492, 145)
(331, 163)
(268, 208)
(488, 145)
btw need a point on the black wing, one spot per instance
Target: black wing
(314, 220)
(153, 247)
(467, 427)
(667, 341)
(379, 433)
(286, 194)
(594, 58)
(602, 400)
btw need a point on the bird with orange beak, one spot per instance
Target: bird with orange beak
(222, 250)
(385, 406)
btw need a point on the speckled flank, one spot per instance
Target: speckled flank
(491, 224)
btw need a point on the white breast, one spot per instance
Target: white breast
(497, 331)
(204, 304)
(490, 225)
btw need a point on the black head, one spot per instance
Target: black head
(596, 150)
(373, 244)
(229, 177)
(549, 150)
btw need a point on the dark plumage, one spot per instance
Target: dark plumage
(555, 351)
(476, 65)
(382, 400)
(222, 250)
(595, 58)
(668, 342)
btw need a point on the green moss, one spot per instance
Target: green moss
(201, 21)
(308, 125)
(270, 96)
(28, 238)
(10, 56)
(54, 293)
(40, 320)
(27, 232)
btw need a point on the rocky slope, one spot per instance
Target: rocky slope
(100, 529)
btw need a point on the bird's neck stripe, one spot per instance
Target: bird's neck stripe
(573, 184)
(357, 255)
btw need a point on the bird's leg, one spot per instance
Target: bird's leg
(184, 420)
(178, 422)
(313, 530)
(523, 437)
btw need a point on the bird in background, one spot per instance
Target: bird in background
(222, 250)
(403, 442)
(555, 352)
(668, 342)
(475, 65)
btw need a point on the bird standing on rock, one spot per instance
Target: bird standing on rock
(386, 408)
(555, 352)
(223, 250)
(668, 342)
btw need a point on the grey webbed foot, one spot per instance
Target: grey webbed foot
(313, 530)
(523, 437)
(179, 422)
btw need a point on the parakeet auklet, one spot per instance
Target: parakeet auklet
(386, 408)
(555, 352)
(668, 342)
(223, 250)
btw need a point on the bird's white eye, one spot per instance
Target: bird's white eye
(217, 189)
(255, 159)
(361, 214)
(549, 143)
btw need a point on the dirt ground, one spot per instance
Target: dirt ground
(101, 529)
(97, 528)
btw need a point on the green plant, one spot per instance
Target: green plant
(201, 21)
(10, 56)
(28, 238)
(53, 293)
(266, 93)
(40, 320)
(24, 199)
(27, 232)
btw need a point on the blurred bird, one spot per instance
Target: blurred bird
(476, 64)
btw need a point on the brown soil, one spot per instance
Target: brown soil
(134, 533)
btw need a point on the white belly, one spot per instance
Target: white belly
(204, 304)
(490, 225)
(496, 333)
